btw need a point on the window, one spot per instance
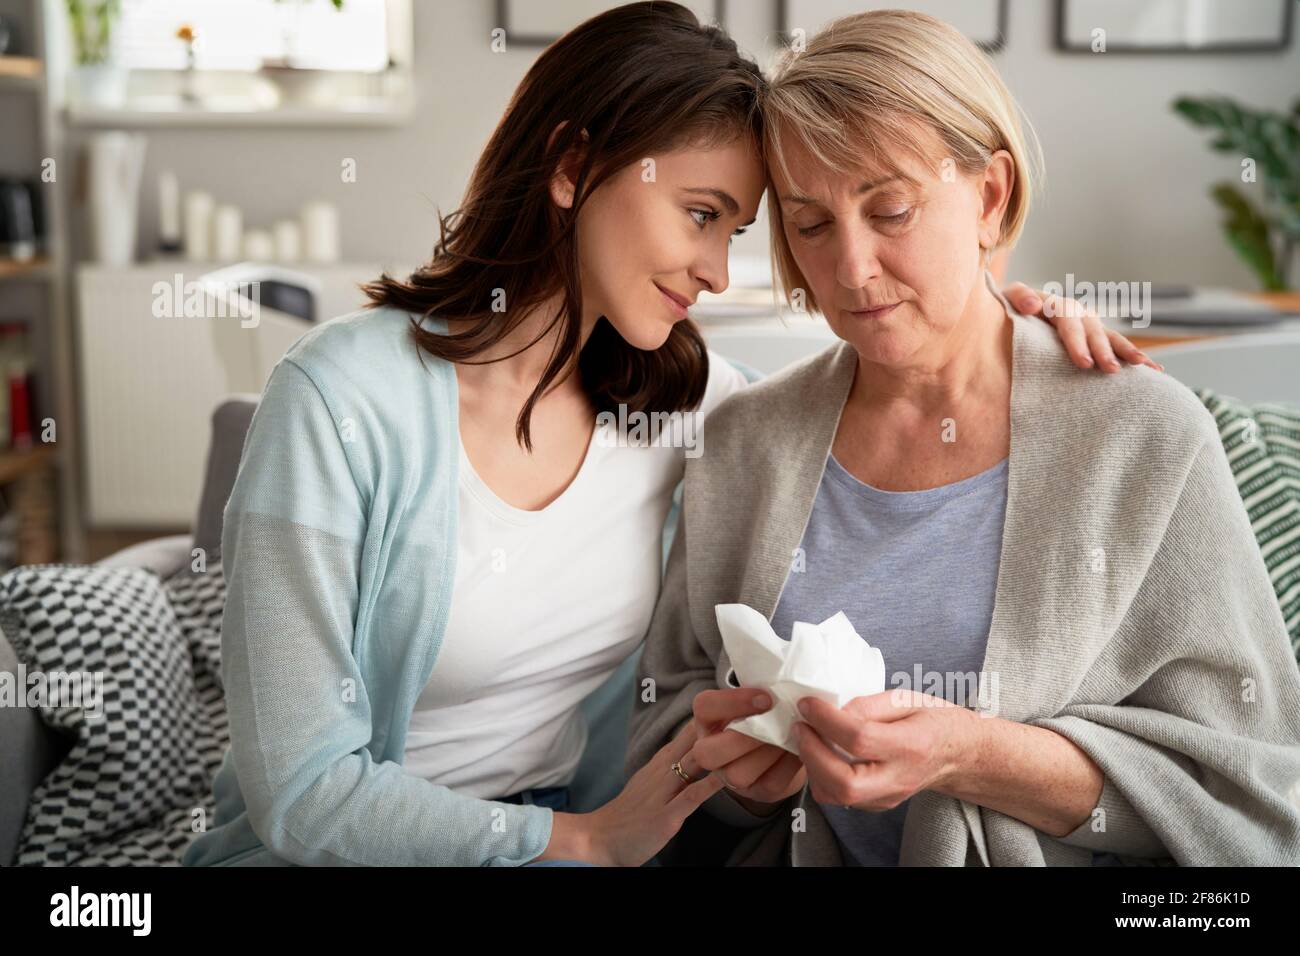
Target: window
(250, 34)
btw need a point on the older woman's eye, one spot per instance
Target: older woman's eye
(895, 219)
(808, 231)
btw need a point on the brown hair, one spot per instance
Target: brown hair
(638, 79)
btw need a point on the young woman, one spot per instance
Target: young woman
(423, 482)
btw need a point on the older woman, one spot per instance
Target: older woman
(975, 505)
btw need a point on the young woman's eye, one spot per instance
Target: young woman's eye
(738, 232)
(708, 216)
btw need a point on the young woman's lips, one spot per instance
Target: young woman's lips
(678, 307)
(876, 313)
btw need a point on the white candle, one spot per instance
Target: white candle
(258, 245)
(169, 209)
(320, 232)
(288, 241)
(198, 226)
(227, 233)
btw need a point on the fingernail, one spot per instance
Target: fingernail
(1035, 302)
(803, 707)
(762, 700)
(1087, 361)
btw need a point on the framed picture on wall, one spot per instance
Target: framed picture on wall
(530, 23)
(984, 21)
(1174, 26)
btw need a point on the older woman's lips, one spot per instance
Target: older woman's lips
(876, 313)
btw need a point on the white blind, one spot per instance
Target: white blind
(241, 34)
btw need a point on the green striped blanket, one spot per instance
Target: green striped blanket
(1263, 446)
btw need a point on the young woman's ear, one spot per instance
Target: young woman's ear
(565, 179)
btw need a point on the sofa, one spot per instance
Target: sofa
(1261, 440)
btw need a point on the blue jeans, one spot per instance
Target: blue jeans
(557, 798)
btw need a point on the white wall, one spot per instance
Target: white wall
(1127, 179)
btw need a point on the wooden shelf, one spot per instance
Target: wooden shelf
(19, 463)
(377, 113)
(32, 269)
(20, 71)
(20, 66)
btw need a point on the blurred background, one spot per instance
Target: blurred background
(159, 156)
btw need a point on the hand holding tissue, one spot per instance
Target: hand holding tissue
(829, 661)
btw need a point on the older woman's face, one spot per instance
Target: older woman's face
(892, 264)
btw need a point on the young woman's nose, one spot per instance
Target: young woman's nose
(711, 269)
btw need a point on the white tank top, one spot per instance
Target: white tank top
(545, 606)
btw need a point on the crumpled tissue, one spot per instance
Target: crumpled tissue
(829, 661)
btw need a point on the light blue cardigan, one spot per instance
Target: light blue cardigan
(338, 592)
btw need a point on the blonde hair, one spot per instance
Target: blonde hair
(855, 95)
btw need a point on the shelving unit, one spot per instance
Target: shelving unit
(378, 114)
(44, 478)
(20, 72)
(45, 112)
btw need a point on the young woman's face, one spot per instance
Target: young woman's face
(655, 235)
(892, 264)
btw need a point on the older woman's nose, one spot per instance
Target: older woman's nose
(858, 263)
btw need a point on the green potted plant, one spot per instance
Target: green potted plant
(1264, 232)
(97, 79)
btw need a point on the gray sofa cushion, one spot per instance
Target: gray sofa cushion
(229, 429)
(28, 752)
(163, 556)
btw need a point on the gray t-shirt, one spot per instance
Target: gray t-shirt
(916, 573)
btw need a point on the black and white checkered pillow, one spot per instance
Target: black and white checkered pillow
(138, 773)
(198, 599)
